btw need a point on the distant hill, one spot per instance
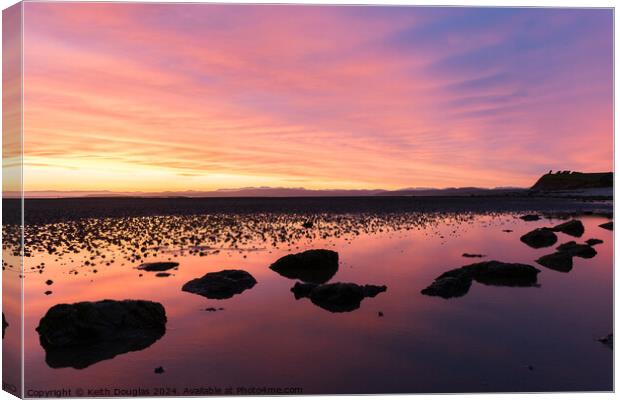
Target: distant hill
(460, 191)
(276, 192)
(568, 180)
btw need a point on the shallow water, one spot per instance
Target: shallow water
(492, 339)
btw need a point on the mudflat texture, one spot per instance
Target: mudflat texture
(42, 211)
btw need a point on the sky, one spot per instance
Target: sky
(156, 97)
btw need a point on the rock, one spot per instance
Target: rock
(373, 290)
(607, 340)
(593, 242)
(498, 273)
(343, 297)
(530, 217)
(336, 297)
(573, 227)
(558, 261)
(380, 313)
(311, 266)
(221, 285)
(578, 250)
(162, 274)
(49, 282)
(541, 237)
(608, 225)
(47, 292)
(5, 325)
(81, 334)
(158, 266)
(507, 230)
(159, 370)
(456, 282)
(469, 255)
(301, 290)
(448, 287)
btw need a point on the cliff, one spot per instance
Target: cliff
(567, 180)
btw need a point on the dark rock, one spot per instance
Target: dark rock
(607, 340)
(497, 273)
(456, 282)
(162, 274)
(221, 285)
(449, 286)
(47, 292)
(507, 230)
(343, 297)
(158, 266)
(49, 282)
(573, 227)
(301, 290)
(608, 225)
(159, 370)
(470, 255)
(578, 250)
(594, 242)
(373, 290)
(336, 297)
(5, 325)
(311, 266)
(558, 261)
(380, 313)
(541, 237)
(81, 334)
(530, 217)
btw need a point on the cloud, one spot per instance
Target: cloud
(347, 97)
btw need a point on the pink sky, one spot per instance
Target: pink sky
(153, 97)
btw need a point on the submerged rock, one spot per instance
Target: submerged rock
(607, 340)
(558, 261)
(594, 242)
(578, 250)
(81, 334)
(608, 225)
(541, 237)
(337, 297)
(159, 370)
(158, 266)
(573, 227)
(456, 282)
(221, 285)
(530, 217)
(311, 266)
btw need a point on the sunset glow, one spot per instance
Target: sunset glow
(153, 97)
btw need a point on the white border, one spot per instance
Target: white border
(483, 3)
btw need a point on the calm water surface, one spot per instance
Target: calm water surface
(492, 339)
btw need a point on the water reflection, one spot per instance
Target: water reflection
(419, 336)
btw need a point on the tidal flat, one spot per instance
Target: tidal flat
(236, 315)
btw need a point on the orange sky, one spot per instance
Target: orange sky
(153, 97)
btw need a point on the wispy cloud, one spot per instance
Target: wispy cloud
(206, 96)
